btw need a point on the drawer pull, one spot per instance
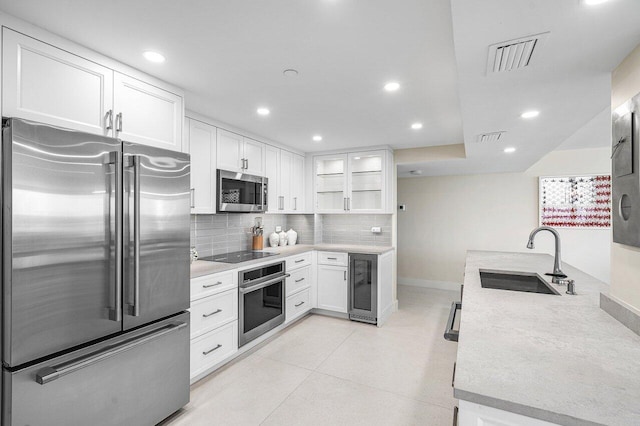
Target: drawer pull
(299, 260)
(301, 279)
(211, 285)
(211, 350)
(332, 258)
(212, 313)
(300, 304)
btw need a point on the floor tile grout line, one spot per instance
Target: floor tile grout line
(336, 348)
(287, 397)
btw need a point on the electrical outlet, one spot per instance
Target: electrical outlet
(376, 230)
(278, 228)
(402, 207)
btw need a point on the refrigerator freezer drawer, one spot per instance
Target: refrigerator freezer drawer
(135, 379)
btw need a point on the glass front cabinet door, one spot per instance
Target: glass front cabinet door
(352, 183)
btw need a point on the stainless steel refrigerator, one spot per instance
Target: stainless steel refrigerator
(95, 279)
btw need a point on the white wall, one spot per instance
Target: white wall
(448, 215)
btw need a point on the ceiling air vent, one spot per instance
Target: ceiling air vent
(514, 54)
(491, 137)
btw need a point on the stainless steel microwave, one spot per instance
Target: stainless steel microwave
(242, 193)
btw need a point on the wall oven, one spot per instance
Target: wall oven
(239, 192)
(260, 300)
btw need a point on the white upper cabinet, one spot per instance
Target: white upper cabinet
(147, 114)
(49, 85)
(357, 182)
(239, 154)
(202, 148)
(285, 171)
(271, 172)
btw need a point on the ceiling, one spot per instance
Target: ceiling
(568, 81)
(230, 56)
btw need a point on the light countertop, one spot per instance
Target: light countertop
(556, 358)
(200, 267)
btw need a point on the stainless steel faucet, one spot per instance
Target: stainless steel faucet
(557, 273)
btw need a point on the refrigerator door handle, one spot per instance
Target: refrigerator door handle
(49, 374)
(134, 308)
(116, 314)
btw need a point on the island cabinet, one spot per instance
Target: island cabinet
(333, 281)
(52, 85)
(471, 414)
(200, 140)
(214, 321)
(357, 182)
(237, 153)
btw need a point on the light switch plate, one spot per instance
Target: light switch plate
(376, 230)
(278, 228)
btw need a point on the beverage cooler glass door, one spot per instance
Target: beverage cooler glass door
(363, 286)
(61, 280)
(156, 233)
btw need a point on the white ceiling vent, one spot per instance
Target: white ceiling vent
(491, 137)
(514, 54)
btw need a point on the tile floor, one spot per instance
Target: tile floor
(327, 371)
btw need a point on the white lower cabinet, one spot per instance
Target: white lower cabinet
(471, 414)
(333, 281)
(214, 320)
(213, 347)
(298, 304)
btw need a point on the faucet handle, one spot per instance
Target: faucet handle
(571, 288)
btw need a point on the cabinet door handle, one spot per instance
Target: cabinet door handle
(299, 260)
(193, 197)
(300, 280)
(332, 258)
(345, 275)
(211, 285)
(119, 122)
(247, 164)
(108, 119)
(217, 311)
(281, 202)
(455, 416)
(348, 203)
(211, 350)
(453, 378)
(345, 204)
(295, 203)
(300, 304)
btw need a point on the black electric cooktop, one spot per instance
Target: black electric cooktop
(237, 256)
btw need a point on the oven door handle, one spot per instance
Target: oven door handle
(245, 290)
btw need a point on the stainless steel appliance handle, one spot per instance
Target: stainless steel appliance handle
(193, 197)
(49, 374)
(217, 311)
(451, 334)
(108, 120)
(211, 285)
(119, 122)
(299, 304)
(212, 349)
(245, 290)
(135, 307)
(116, 314)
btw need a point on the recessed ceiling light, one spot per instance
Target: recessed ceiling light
(356, 158)
(152, 56)
(594, 2)
(392, 86)
(317, 138)
(530, 114)
(263, 111)
(416, 126)
(509, 149)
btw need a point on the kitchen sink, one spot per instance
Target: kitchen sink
(515, 281)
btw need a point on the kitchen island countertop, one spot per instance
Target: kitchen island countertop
(556, 358)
